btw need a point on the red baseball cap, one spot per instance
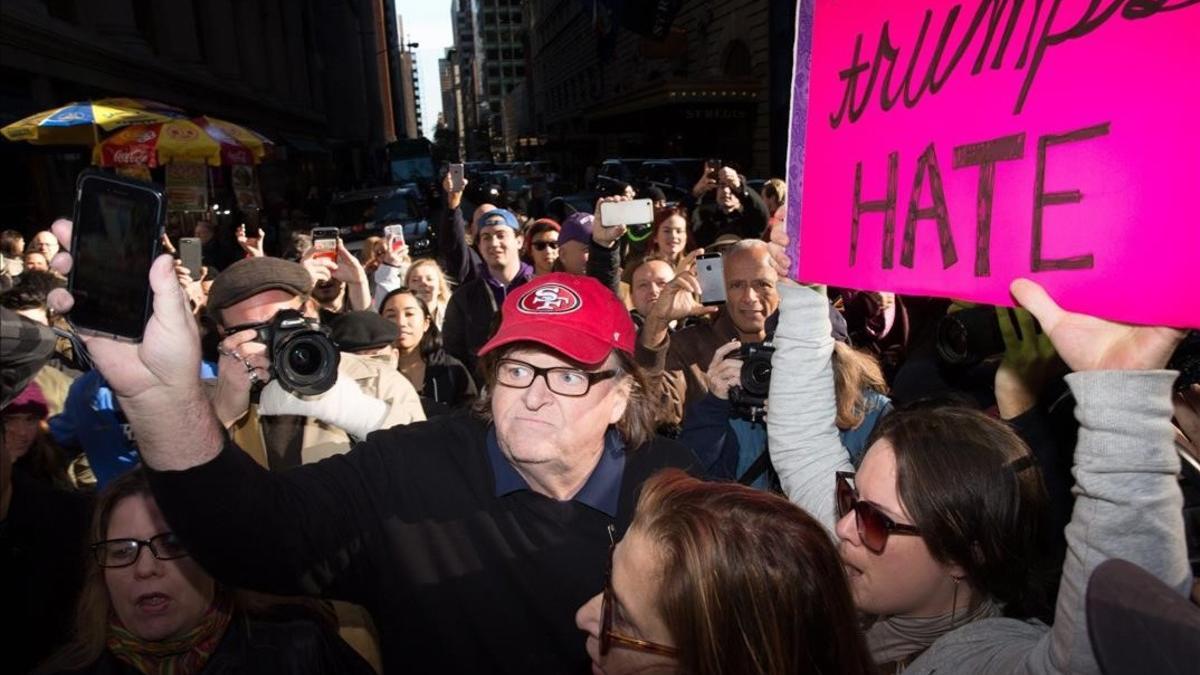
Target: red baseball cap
(574, 315)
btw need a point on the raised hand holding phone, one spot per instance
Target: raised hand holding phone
(157, 380)
(325, 242)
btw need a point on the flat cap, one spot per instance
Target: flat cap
(357, 331)
(252, 276)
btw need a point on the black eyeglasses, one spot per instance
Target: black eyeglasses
(543, 245)
(560, 380)
(874, 526)
(609, 637)
(125, 552)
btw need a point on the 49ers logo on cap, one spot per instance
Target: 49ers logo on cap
(549, 299)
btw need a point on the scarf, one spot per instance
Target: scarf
(900, 638)
(184, 655)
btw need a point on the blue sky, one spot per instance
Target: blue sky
(427, 22)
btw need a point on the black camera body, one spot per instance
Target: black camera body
(749, 396)
(304, 358)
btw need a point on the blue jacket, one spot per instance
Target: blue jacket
(708, 432)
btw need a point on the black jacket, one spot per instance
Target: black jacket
(42, 557)
(468, 322)
(710, 222)
(448, 384)
(263, 647)
(408, 524)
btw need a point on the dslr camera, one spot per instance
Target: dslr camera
(304, 358)
(749, 396)
(968, 337)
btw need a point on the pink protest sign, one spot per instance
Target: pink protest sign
(945, 148)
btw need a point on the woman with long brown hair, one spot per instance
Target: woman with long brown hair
(721, 578)
(157, 611)
(938, 527)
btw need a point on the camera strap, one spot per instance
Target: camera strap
(760, 466)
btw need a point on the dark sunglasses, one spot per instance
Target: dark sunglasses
(874, 526)
(608, 637)
(543, 245)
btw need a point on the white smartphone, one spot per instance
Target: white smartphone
(394, 236)
(190, 256)
(634, 212)
(456, 177)
(325, 241)
(710, 271)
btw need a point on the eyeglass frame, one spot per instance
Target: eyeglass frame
(593, 376)
(98, 549)
(543, 245)
(609, 637)
(890, 526)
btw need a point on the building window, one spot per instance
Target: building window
(737, 62)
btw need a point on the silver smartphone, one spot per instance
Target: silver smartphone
(456, 178)
(325, 241)
(633, 212)
(710, 271)
(190, 255)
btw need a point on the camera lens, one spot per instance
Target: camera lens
(304, 359)
(953, 340)
(761, 372)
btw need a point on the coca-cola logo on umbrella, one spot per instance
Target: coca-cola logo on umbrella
(131, 156)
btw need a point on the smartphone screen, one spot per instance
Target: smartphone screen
(118, 223)
(325, 242)
(456, 177)
(710, 272)
(190, 256)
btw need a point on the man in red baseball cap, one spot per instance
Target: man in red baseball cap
(472, 538)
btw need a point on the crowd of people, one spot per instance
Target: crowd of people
(539, 451)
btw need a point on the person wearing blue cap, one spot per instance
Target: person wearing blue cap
(469, 314)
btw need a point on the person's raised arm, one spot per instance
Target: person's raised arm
(802, 434)
(604, 256)
(1128, 504)
(452, 235)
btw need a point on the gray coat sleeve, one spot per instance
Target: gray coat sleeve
(1128, 506)
(801, 431)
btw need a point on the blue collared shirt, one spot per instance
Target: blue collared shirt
(602, 489)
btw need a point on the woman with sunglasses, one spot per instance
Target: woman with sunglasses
(937, 530)
(720, 578)
(541, 245)
(148, 607)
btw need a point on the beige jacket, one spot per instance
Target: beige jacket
(375, 377)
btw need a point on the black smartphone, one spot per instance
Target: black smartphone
(713, 166)
(191, 255)
(118, 226)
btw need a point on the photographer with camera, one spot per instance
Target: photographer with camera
(678, 362)
(284, 391)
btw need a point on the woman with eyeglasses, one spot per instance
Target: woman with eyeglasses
(541, 245)
(148, 607)
(720, 578)
(938, 528)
